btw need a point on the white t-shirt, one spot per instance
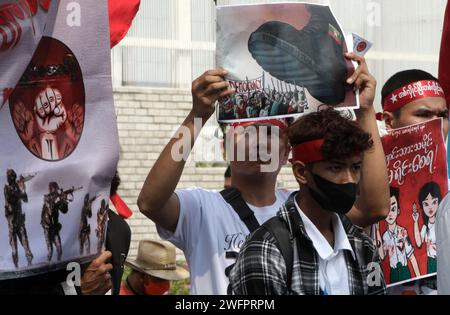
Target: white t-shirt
(333, 273)
(429, 237)
(207, 228)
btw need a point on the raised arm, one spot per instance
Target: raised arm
(372, 204)
(417, 236)
(157, 199)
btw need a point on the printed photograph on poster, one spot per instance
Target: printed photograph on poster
(283, 59)
(417, 168)
(58, 130)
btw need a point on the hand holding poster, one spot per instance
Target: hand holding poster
(58, 134)
(283, 60)
(417, 167)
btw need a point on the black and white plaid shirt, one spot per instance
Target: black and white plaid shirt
(261, 269)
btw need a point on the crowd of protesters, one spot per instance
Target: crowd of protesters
(263, 103)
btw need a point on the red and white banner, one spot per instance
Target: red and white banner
(417, 166)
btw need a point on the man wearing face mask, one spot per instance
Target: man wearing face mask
(330, 256)
(153, 269)
(210, 227)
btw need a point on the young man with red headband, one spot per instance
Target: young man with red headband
(329, 255)
(410, 97)
(209, 226)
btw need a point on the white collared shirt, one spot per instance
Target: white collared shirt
(429, 237)
(333, 273)
(398, 246)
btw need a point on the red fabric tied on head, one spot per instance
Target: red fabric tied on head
(122, 209)
(412, 92)
(307, 152)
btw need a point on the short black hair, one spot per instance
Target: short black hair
(227, 172)
(394, 192)
(343, 138)
(403, 78)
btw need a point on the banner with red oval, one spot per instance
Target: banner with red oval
(58, 134)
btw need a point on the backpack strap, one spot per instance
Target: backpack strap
(234, 198)
(280, 231)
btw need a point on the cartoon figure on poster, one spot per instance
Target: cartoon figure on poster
(15, 194)
(56, 201)
(284, 60)
(429, 199)
(396, 244)
(406, 239)
(102, 219)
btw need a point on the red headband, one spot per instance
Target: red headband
(122, 209)
(412, 92)
(307, 152)
(280, 123)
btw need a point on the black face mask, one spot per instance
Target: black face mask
(338, 198)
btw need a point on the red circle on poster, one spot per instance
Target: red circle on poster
(48, 104)
(361, 46)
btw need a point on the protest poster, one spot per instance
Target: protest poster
(417, 169)
(284, 60)
(58, 133)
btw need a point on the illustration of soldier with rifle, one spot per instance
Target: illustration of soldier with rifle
(14, 192)
(55, 201)
(102, 218)
(85, 227)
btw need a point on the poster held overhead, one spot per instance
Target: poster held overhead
(292, 55)
(58, 136)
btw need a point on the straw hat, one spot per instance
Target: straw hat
(158, 259)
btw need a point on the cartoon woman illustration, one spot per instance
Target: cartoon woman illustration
(429, 199)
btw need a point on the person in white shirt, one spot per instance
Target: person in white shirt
(201, 222)
(328, 254)
(410, 97)
(333, 275)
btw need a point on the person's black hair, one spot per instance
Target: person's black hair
(394, 192)
(115, 183)
(432, 189)
(227, 172)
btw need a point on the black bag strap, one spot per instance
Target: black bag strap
(234, 198)
(282, 235)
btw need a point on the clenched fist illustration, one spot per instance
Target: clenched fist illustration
(49, 110)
